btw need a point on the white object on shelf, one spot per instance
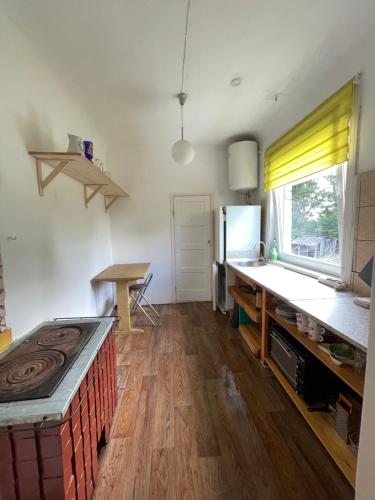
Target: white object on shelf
(75, 144)
(362, 301)
(243, 166)
(335, 283)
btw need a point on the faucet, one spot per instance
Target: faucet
(261, 257)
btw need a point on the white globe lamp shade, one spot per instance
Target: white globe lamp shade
(183, 152)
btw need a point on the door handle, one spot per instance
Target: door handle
(286, 350)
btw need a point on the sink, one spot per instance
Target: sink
(250, 263)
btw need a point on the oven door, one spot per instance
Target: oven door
(284, 356)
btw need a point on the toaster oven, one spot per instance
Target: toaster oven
(311, 380)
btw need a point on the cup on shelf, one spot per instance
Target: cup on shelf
(88, 149)
(75, 144)
(302, 322)
(98, 163)
(315, 331)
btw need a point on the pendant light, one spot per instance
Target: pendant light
(183, 150)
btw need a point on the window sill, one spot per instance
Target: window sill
(301, 270)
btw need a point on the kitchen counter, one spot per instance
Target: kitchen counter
(55, 407)
(333, 309)
(340, 316)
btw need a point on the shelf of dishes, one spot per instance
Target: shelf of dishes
(340, 358)
(79, 168)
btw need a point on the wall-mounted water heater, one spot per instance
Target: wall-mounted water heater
(243, 166)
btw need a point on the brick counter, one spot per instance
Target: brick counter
(61, 462)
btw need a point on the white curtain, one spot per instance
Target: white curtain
(269, 222)
(2, 299)
(347, 215)
(274, 222)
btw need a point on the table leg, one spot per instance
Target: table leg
(123, 308)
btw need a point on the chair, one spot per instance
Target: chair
(137, 295)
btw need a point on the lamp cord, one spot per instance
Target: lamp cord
(185, 43)
(183, 66)
(182, 123)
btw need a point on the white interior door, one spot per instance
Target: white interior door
(192, 247)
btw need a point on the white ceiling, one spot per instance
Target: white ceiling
(125, 57)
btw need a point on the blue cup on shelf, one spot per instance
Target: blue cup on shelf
(89, 149)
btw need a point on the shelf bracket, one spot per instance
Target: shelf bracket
(43, 183)
(111, 202)
(88, 197)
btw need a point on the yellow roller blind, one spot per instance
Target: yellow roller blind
(319, 141)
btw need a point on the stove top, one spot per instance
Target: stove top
(35, 368)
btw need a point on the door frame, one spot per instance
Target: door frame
(172, 196)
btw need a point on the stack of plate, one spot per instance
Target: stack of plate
(287, 312)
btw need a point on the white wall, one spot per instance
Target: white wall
(60, 245)
(310, 90)
(141, 224)
(365, 485)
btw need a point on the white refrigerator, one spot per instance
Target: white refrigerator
(237, 236)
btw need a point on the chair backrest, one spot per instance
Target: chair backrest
(147, 282)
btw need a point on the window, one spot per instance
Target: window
(309, 216)
(311, 187)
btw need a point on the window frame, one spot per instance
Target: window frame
(347, 178)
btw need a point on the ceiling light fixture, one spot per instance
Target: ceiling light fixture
(236, 82)
(183, 151)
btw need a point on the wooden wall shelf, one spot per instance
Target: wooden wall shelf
(345, 373)
(323, 428)
(76, 166)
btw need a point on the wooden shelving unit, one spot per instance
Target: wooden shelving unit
(322, 425)
(248, 303)
(345, 373)
(256, 337)
(76, 166)
(251, 337)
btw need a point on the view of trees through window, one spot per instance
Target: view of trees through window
(314, 224)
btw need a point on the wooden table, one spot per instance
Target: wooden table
(122, 275)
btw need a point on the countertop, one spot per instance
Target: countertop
(340, 316)
(333, 309)
(55, 407)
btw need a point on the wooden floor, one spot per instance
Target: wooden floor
(200, 418)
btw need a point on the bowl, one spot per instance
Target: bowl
(342, 353)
